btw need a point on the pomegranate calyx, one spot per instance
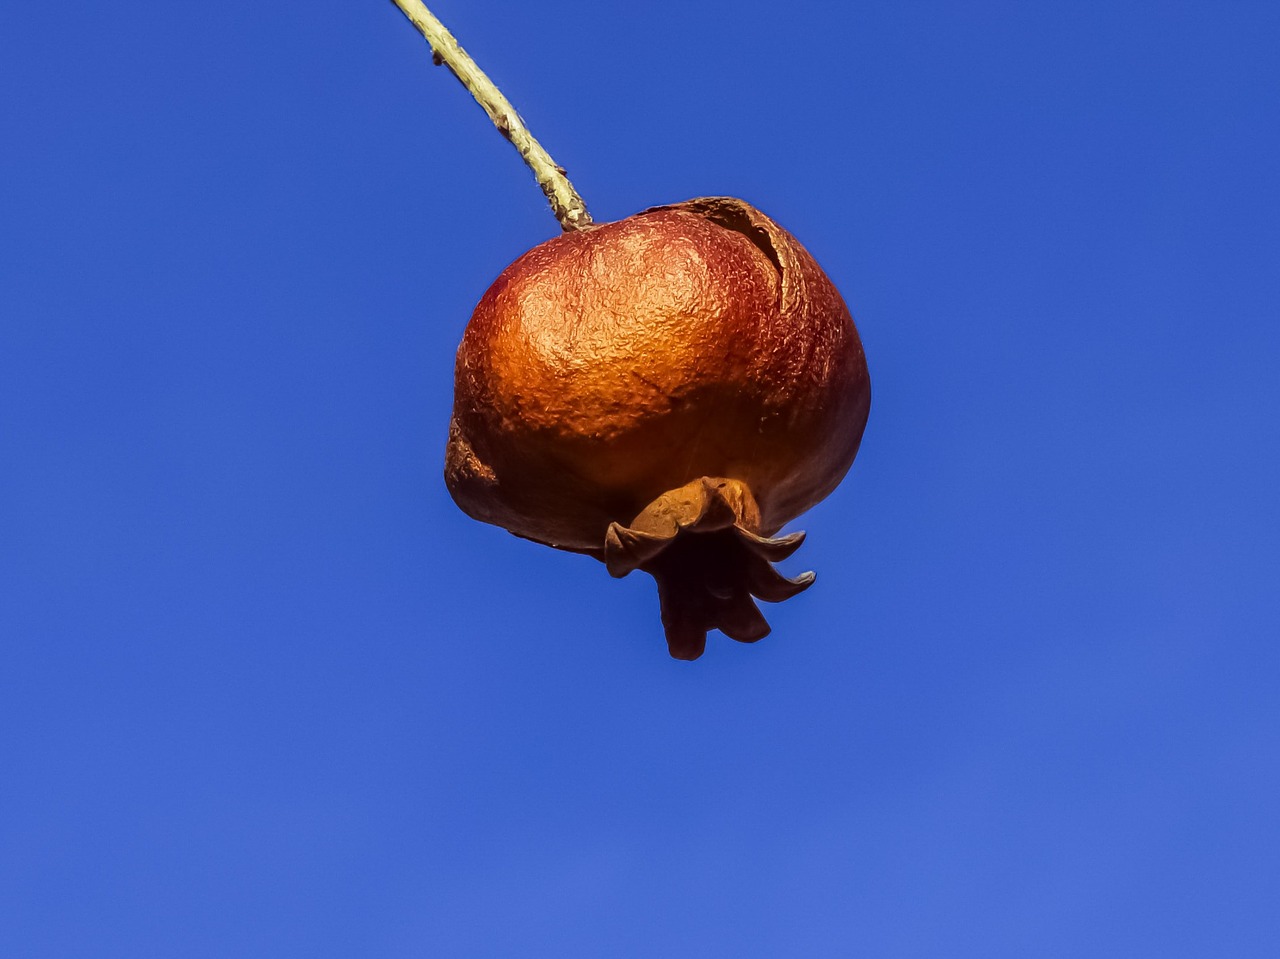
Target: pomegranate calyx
(700, 543)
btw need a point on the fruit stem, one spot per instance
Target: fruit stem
(565, 202)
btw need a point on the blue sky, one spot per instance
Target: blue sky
(264, 691)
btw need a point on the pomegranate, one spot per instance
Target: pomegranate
(663, 393)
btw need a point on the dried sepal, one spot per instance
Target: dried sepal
(700, 544)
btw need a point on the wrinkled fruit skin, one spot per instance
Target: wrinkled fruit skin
(688, 375)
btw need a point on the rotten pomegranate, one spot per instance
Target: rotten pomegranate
(663, 393)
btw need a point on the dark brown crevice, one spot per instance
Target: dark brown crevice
(732, 214)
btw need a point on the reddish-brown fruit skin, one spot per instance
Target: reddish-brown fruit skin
(609, 366)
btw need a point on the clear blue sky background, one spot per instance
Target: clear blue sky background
(264, 691)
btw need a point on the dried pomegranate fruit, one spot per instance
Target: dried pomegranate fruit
(664, 393)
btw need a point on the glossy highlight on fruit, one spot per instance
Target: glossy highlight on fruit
(664, 393)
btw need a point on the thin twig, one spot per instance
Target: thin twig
(565, 202)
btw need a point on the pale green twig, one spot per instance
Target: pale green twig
(565, 202)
